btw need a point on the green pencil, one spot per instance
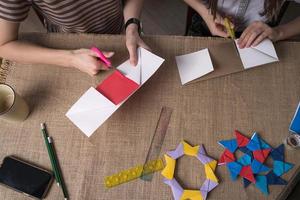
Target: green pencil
(54, 161)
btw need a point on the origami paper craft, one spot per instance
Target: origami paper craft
(258, 167)
(280, 167)
(261, 154)
(261, 54)
(250, 165)
(261, 184)
(295, 123)
(93, 108)
(234, 168)
(231, 145)
(273, 179)
(242, 140)
(278, 153)
(194, 65)
(210, 164)
(117, 87)
(245, 160)
(226, 157)
(247, 173)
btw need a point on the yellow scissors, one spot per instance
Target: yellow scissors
(229, 28)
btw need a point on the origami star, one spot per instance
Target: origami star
(231, 145)
(226, 157)
(210, 165)
(242, 140)
(278, 153)
(261, 154)
(281, 167)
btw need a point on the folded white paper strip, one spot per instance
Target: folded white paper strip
(261, 54)
(93, 109)
(194, 65)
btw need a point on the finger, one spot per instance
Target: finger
(92, 53)
(108, 54)
(221, 31)
(252, 37)
(260, 38)
(242, 42)
(244, 34)
(132, 54)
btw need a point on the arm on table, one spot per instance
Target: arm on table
(215, 25)
(132, 9)
(13, 49)
(258, 31)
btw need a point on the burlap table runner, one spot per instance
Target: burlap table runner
(261, 99)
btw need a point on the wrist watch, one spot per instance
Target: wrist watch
(134, 21)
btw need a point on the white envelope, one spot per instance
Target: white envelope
(93, 109)
(263, 53)
(194, 65)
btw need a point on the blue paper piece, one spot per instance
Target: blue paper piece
(278, 153)
(245, 160)
(257, 143)
(234, 168)
(295, 123)
(261, 184)
(246, 182)
(246, 151)
(231, 145)
(258, 167)
(273, 179)
(280, 167)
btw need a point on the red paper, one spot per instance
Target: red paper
(227, 157)
(247, 173)
(261, 155)
(117, 87)
(241, 139)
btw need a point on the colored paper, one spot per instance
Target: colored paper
(247, 151)
(175, 187)
(273, 179)
(247, 173)
(261, 54)
(234, 169)
(295, 123)
(280, 167)
(190, 150)
(258, 167)
(261, 154)
(242, 140)
(226, 157)
(246, 182)
(257, 143)
(278, 153)
(202, 156)
(208, 186)
(245, 160)
(177, 153)
(93, 108)
(231, 145)
(168, 171)
(194, 65)
(261, 184)
(191, 195)
(210, 173)
(117, 87)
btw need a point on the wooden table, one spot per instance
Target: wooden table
(262, 99)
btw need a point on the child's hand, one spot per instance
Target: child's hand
(87, 61)
(216, 26)
(257, 32)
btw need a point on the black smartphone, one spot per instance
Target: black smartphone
(25, 178)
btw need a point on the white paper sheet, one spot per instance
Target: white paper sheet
(262, 54)
(194, 65)
(93, 109)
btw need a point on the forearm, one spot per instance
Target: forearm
(289, 30)
(132, 9)
(29, 53)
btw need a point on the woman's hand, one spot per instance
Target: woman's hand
(133, 41)
(257, 32)
(216, 26)
(87, 61)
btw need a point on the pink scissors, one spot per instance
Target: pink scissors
(101, 57)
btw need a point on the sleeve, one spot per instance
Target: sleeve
(14, 10)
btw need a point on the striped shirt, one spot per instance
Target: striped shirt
(70, 16)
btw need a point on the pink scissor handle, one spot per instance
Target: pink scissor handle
(101, 56)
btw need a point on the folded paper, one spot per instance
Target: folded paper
(93, 108)
(261, 54)
(295, 123)
(194, 65)
(210, 165)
